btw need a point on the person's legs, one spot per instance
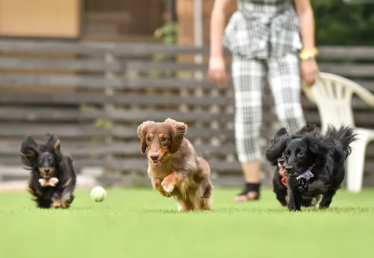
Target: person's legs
(285, 84)
(248, 78)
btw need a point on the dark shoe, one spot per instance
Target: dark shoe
(251, 192)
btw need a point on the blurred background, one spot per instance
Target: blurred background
(91, 71)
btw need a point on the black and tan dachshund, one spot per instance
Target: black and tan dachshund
(53, 179)
(313, 163)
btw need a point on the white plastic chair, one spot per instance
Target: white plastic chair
(333, 95)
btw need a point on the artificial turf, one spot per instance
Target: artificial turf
(141, 223)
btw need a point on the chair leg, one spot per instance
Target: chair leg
(356, 164)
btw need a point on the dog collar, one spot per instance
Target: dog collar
(307, 175)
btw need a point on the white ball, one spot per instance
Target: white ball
(98, 194)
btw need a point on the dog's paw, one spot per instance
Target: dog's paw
(163, 193)
(168, 183)
(56, 204)
(156, 182)
(65, 203)
(302, 184)
(168, 187)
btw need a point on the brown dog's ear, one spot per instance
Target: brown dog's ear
(178, 131)
(142, 131)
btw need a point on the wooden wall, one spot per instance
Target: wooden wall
(185, 12)
(123, 20)
(40, 18)
(94, 95)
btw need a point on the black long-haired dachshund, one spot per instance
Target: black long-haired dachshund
(313, 162)
(53, 178)
(279, 177)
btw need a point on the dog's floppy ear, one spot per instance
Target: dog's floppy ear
(317, 144)
(141, 131)
(308, 127)
(278, 135)
(319, 147)
(277, 146)
(29, 151)
(53, 144)
(178, 131)
(276, 149)
(281, 132)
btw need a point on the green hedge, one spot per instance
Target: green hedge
(339, 23)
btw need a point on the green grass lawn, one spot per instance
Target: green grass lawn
(141, 223)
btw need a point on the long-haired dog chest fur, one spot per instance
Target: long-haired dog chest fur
(173, 165)
(53, 179)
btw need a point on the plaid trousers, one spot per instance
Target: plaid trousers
(249, 75)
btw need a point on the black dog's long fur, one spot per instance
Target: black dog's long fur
(46, 161)
(303, 149)
(280, 190)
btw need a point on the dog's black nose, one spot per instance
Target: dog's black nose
(46, 171)
(154, 156)
(289, 168)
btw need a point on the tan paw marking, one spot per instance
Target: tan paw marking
(56, 204)
(65, 203)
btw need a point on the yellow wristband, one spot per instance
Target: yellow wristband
(307, 54)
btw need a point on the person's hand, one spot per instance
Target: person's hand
(309, 71)
(217, 70)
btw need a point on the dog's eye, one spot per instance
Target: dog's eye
(149, 138)
(163, 138)
(301, 153)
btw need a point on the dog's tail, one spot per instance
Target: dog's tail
(345, 135)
